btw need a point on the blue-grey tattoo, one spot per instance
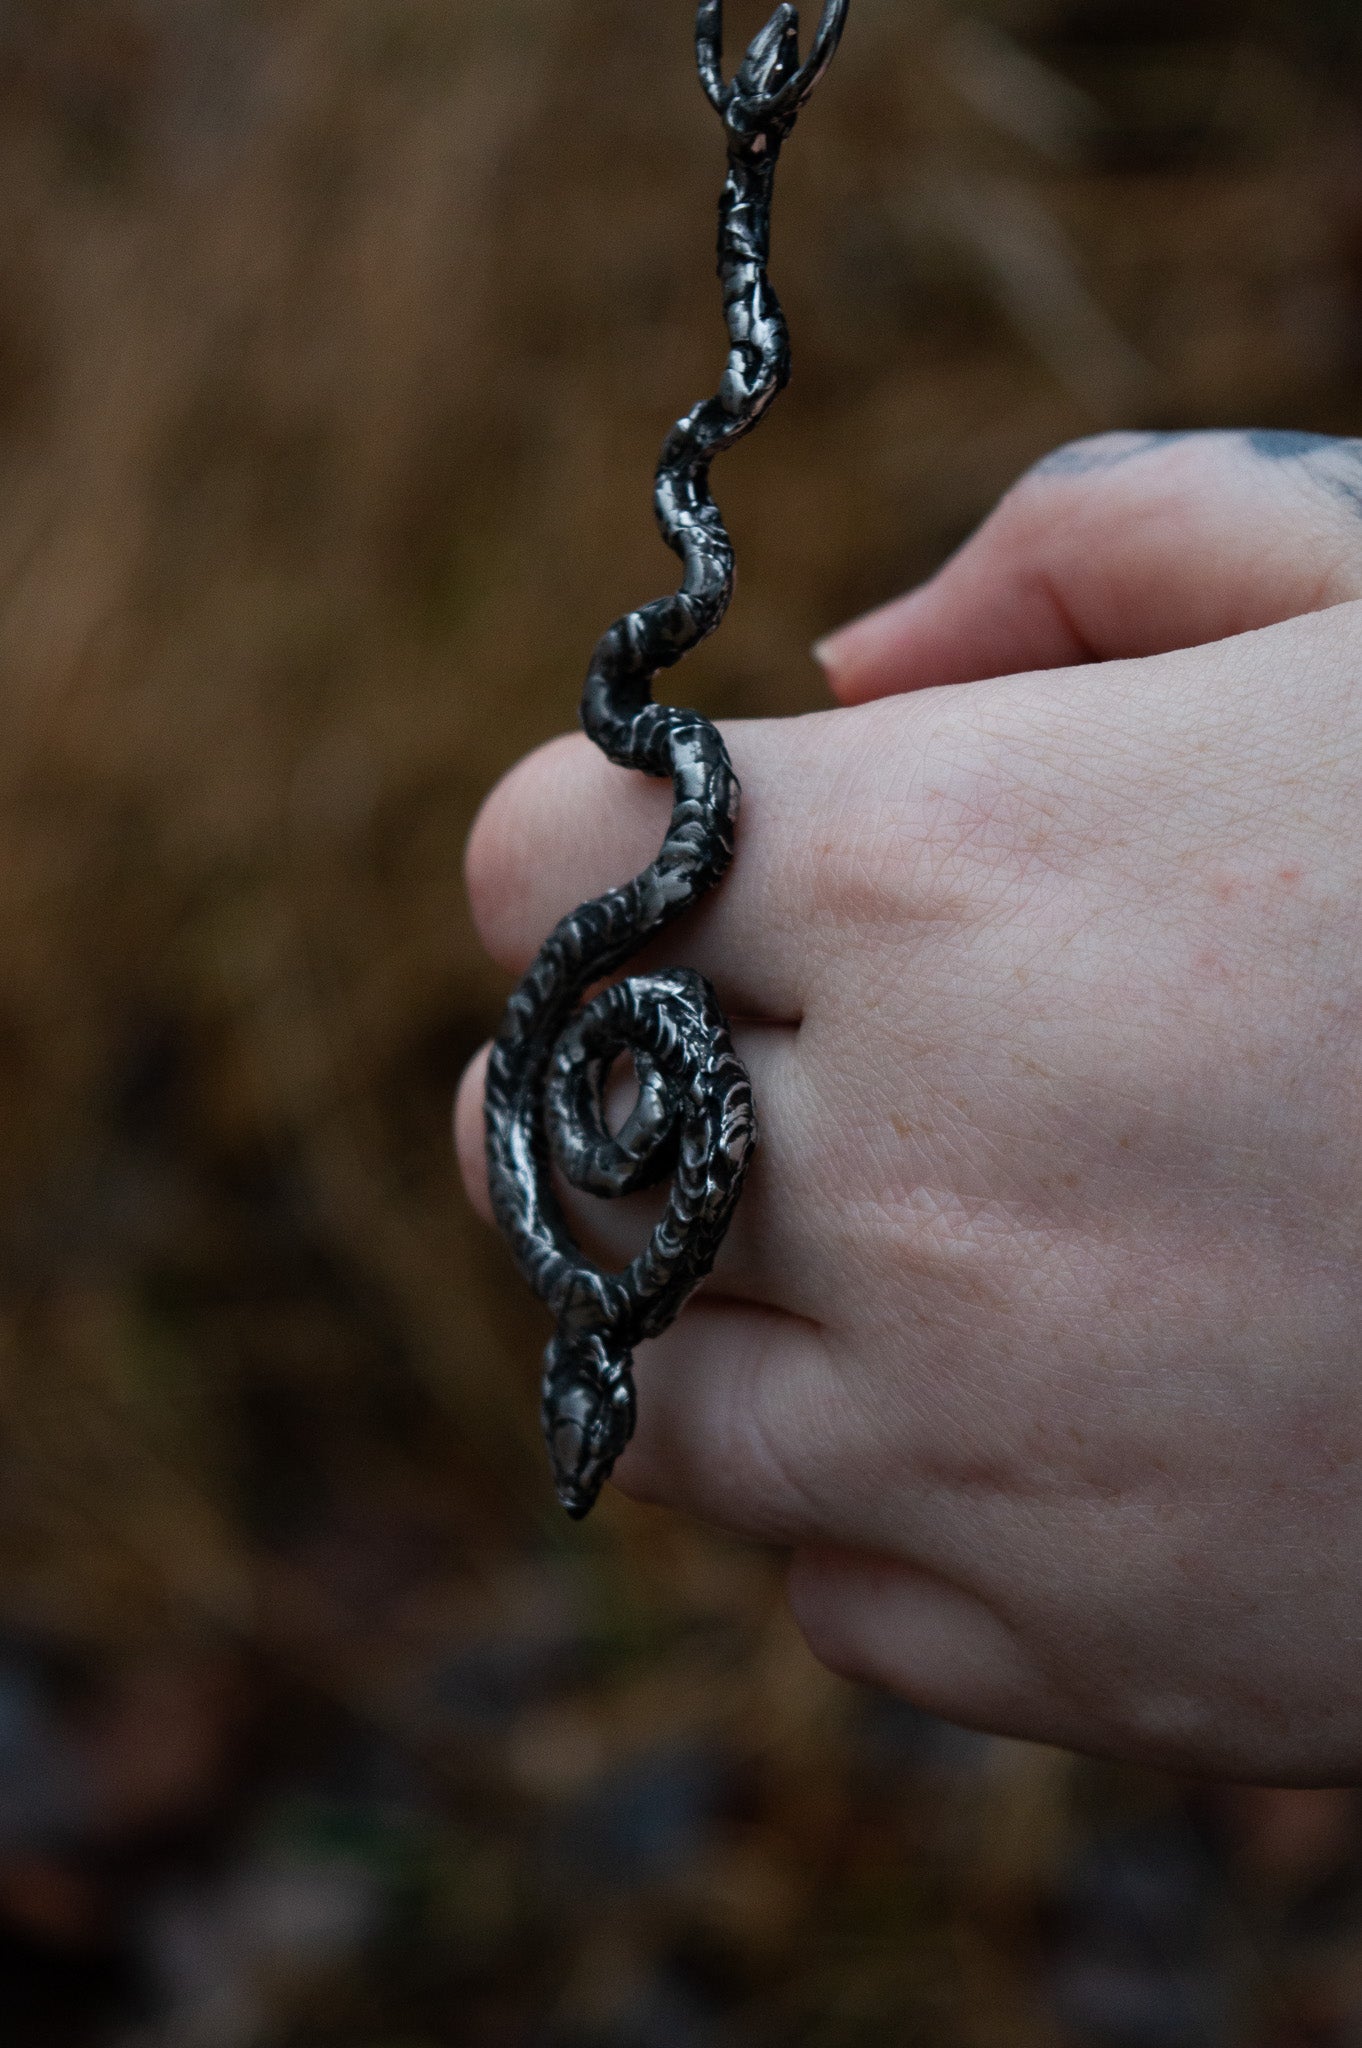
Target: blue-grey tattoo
(1333, 463)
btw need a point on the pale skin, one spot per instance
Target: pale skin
(1037, 1340)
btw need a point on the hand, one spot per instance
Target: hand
(1038, 1335)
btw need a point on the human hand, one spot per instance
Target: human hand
(1036, 1337)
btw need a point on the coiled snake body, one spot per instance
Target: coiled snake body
(693, 1119)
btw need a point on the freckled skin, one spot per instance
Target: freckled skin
(1038, 1336)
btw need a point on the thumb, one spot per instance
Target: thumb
(1120, 546)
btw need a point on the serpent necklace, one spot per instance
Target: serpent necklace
(693, 1119)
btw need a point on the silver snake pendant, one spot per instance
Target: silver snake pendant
(693, 1120)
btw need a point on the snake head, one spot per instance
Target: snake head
(587, 1415)
(772, 57)
(771, 84)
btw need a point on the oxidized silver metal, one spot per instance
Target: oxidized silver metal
(693, 1120)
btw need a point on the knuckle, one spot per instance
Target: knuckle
(742, 1476)
(731, 1446)
(992, 806)
(1005, 801)
(874, 861)
(862, 885)
(935, 847)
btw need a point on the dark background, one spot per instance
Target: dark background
(337, 338)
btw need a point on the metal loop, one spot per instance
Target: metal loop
(778, 105)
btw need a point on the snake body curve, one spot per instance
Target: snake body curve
(693, 1119)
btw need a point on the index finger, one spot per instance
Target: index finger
(1121, 546)
(565, 825)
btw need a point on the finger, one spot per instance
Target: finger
(1125, 545)
(470, 1133)
(885, 1623)
(737, 1405)
(565, 825)
(774, 1251)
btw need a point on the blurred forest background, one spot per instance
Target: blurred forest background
(337, 339)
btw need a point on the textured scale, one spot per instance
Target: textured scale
(693, 1123)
